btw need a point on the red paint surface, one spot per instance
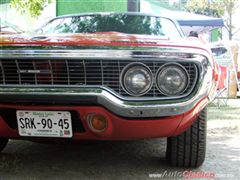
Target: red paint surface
(102, 39)
(118, 128)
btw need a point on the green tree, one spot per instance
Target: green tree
(206, 7)
(33, 7)
(230, 8)
(216, 8)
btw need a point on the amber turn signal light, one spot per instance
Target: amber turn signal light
(97, 122)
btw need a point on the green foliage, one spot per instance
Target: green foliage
(82, 6)
(164, 4)
(214, 8)
(4, 1)
(33, 7)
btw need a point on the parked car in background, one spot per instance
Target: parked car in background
(7, 28)
(108, 76)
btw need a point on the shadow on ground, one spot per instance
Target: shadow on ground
(120, 160)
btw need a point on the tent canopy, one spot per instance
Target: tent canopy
(194, 22)
(191, 19)
(188, 21)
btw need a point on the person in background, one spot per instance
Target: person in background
(193, 34)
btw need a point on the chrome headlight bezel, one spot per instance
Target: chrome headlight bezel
(124, 74)
(182, 70)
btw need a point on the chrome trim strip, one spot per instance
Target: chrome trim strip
(101, 88)
(117, 106)
(150, 52)
(121, 53)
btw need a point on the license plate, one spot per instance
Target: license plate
(44, 123)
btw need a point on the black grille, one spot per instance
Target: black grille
(72, 72)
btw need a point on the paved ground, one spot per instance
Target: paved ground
(124, 160)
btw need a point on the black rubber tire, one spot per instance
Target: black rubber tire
(189, 148)
(3, 143)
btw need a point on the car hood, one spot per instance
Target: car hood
(98, 39)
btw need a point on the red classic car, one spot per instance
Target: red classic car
(108, 76)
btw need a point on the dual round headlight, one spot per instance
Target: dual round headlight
(136, 79)
(171, 79)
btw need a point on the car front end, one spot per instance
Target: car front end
(102, 86)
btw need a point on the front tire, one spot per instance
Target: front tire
(3, 143)
(189, 148)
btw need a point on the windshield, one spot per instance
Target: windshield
(130, 24)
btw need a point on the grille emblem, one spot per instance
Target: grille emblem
(31, 71)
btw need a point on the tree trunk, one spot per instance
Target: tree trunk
(133, 5)
(230, 26)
